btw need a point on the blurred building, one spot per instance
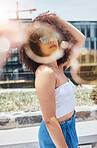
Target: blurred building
(88, 58)
(89, 29)
(13, 70)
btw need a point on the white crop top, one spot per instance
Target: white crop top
(65, 99)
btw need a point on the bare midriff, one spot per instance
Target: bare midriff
(66, 117)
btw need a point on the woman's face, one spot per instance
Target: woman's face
(49, 43)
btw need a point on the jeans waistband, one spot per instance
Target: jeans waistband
(70, 120)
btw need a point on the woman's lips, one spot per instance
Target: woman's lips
(52, 46)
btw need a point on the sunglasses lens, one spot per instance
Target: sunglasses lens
(44, 40)
(55, 36)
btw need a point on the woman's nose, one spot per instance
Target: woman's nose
(51, 40)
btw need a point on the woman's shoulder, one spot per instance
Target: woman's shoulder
(44, 74)
(44, 69)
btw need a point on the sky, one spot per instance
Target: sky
(70, 10)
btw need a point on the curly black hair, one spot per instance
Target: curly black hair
(54, 21)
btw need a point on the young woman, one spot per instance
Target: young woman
(55, 91)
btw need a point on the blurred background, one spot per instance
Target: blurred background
(17, 88)
(82, 14)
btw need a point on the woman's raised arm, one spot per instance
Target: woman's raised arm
(79, 39)
(76, 34)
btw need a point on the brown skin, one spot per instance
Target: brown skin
(48, 48)
(46, 80)
(48, 77)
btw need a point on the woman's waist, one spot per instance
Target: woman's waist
(66, 117)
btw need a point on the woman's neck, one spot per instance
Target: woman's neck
(54, 65)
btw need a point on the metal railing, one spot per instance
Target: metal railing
(16, 76)
(29, 76)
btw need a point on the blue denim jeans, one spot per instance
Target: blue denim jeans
(69, 131)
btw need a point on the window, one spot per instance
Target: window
(83, 30)
(95, 32)
(10, 70)
(92, 44)
(88, 32)
(92, 30)
(77, 26)
(4, 70)
(14, 58)
(9, 59)
(14, 50)
(87, 44)
(83, 59)
(96, 45)
(91, 58)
